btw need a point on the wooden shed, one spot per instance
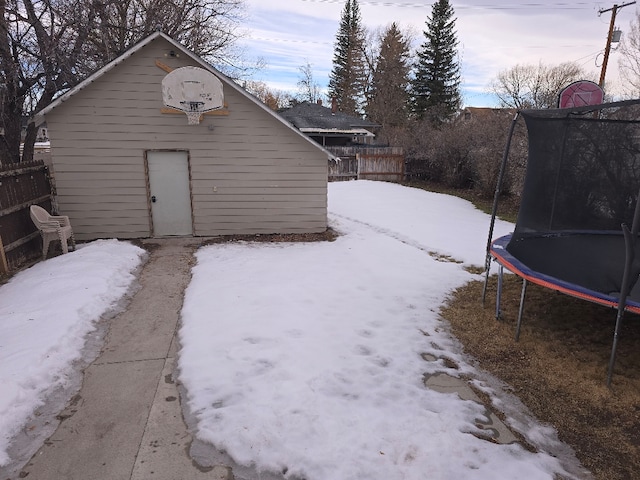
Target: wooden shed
(127, 166)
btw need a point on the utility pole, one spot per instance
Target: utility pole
(614, 11)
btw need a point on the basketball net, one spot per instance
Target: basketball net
(193, 117)
(194, 112)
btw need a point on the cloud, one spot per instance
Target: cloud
(493, 36)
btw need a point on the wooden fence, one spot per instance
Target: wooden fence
(21, 186)
(346, 168)
(367, 163)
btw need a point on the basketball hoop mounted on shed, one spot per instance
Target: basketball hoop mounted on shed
(193, 91)
(581, 94)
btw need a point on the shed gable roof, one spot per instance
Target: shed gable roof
(39, 117)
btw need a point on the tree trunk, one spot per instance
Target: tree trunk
(10, 144)
(10, 138)
(29, 142)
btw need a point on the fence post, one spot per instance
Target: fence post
(4, 267)
(21, 186)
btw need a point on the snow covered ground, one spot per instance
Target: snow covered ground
(46, 313)
(299, 358)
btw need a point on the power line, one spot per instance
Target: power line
(487, 6)
(316, 42)
(290, 40)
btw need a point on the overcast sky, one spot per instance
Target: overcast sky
(493, 35)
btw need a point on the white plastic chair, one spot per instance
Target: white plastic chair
(52, 227)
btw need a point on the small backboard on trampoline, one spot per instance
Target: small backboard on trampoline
(581, 94)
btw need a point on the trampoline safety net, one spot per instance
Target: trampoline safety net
(581, 185)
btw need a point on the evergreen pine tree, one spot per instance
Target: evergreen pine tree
(437, 75)
(347, 79)
(389, 98)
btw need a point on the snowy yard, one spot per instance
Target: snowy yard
(304, 358)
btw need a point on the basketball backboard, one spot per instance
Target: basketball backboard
(193, 90)
(580, 94)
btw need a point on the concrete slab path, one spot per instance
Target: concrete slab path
(126, 422)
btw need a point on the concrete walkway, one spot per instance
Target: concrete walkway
(126, 422)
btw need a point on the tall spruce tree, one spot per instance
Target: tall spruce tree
(347, 80)
(388, 102)
(436, 85)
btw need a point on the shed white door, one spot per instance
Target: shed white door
(170, 196)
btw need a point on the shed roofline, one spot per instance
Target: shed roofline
(39, 117)
(353, 131)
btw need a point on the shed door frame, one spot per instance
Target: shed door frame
(152, 227)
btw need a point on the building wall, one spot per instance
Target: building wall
(250, 173)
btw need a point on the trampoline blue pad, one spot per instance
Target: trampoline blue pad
(589, 265)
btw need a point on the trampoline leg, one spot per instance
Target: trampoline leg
(499, 291)
(630, 239)
(521, 309)
(612, 360)
(486, 282)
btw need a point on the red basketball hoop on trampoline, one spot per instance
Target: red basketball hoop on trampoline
(581, 94)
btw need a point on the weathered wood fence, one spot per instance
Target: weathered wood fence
(367, 163)
(21, 186)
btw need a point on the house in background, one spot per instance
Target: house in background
(351, 140)
(328, 126)
(127, 166)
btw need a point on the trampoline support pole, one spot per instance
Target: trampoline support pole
(630, 238)
(622, 301)
(494, 209)
(612, 360)
(499, 292)
(521, 309)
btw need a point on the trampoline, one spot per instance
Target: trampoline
(577, 227)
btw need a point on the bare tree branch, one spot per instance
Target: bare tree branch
(630, 59)
(47, 46)
(308, 89)
(534, 86)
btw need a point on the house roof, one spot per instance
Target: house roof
(313, 118)
(40, 116)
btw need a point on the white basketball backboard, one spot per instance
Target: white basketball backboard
(193, 90)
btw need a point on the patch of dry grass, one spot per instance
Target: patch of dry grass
(329, 235)
(559, 367)
(508, 205)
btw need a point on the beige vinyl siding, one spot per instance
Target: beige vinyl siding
(250, 173)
